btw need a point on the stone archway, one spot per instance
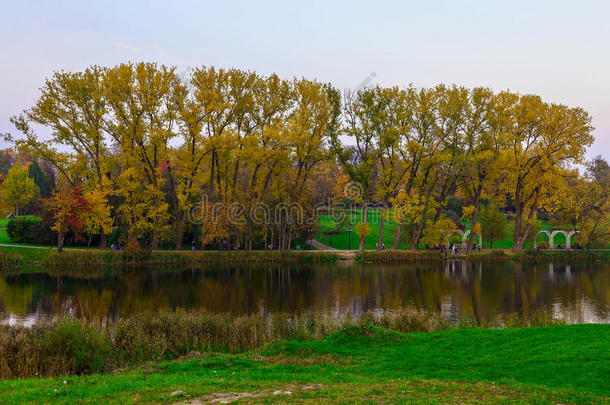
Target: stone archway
(569, 238)
(551, 236)
(465, 237)
(458, 231)
(548, 234)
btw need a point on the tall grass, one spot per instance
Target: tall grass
(9, 259)
(262, 256)
(389, 256)
(70, 346)
(535, 255)
(495, 254)
(70, 258)
(531, 255)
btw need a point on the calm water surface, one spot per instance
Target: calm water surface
(578, 293)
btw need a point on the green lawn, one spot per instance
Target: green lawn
(342, 241)
(558, 364)
(3, 236)
(326, 223)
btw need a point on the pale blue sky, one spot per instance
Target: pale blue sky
(557, 49)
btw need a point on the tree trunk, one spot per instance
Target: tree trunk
(180, 230)
(397, 237)
(418, 232)
(473, 221)
(365, 215)
(590, 238)
(266, 240)
(518, 217)
(381, 230)
(289, 239)
(60, 242)
(521, 237)
(103, 241)
(249, 236)
(417, 235)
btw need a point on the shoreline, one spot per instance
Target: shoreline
(14, 258)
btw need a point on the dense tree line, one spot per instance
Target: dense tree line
(414, 148)
(135, 148)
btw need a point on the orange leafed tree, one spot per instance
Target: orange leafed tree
(69, 208)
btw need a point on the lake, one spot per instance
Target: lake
(577, 293)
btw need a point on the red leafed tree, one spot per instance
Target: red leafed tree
(69, 207)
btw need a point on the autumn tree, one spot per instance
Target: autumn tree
(439, 232)
(417, 145)
(483, 137)
(142, 125)
(74, 107)
(493, 223)
(69, 209)
(390, 122)
(360, 123)
(362, 229)
(450, 127)
(97, 219)
(585, 204)
(143, 212)
(18, 188)
(543, 139)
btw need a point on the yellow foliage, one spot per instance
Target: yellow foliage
(98, 219)
(468, 212)
(363, 229)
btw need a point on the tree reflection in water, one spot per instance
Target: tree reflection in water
(484, 291)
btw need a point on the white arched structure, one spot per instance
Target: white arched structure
(551, 236)
(464, 235)
(458, 231)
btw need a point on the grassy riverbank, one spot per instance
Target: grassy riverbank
(404, 256)
(13, 256)
(557, 364)
(25, 259)
(72, 346)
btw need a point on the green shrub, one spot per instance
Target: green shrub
(29, 230)
(19, 229)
